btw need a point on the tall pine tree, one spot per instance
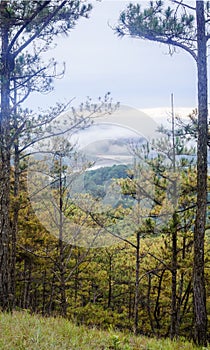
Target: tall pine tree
(27, 29)
(186, 26)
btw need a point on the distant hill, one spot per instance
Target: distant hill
(107, 152)
(97, 180)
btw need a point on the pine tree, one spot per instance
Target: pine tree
(22, 24)
(185, 26)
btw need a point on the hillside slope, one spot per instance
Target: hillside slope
(25, 332)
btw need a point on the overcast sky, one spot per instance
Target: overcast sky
(138, 73)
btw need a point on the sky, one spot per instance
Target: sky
(138, 73)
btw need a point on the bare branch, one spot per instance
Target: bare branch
(170, 42)
(184, 5)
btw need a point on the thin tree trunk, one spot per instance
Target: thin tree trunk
(16, 207)
(62, 268)
(5, 303)
(173, 326)
(200, 313)
(136, 303)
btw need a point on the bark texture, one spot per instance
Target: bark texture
(5, 70)
(199, 291)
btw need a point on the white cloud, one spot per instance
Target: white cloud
(163, 114)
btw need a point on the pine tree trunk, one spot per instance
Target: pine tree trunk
(200, 314)
(62, 268)
(16, 207)
(4, 167)
(136, 303)
(14, 229)
(173, 326)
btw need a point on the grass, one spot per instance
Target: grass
(22, 331)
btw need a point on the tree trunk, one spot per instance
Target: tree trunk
(173, 326)
(4, 166)
(136, 303)
(14, 230)
(200, 314)
(16, 207)
(62, 268)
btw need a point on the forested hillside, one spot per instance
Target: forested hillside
(98, 286)
(96, 181)
(124, 246)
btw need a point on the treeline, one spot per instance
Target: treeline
(140, 281)
(100, 283)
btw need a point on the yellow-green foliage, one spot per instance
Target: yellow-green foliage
(22, 331)
(100, 283)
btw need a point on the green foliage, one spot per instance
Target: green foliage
(100, 283)
(96, 181)
(156, 21)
